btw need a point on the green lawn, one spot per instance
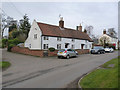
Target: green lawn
(105, 77)
(4, 64)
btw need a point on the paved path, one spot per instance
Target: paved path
(35, 72)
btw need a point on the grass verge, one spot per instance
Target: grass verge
(4, 64)
(105, 77)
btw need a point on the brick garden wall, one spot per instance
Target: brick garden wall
(27, 51)
(82, 51)
(41, 52)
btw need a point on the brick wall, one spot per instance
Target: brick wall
(41, 52)
(82, 51)
(27, 51)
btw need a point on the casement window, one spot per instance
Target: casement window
(85, 46)
(29, 45)
(35, 28)
(73, 40)
(72, 46)
(35, 36)
(46, 38)
(58, 46)
(45, 46)
(58, 38)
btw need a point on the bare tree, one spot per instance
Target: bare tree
(111, 31)
(89, 30)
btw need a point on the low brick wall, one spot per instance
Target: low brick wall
(82, 51)
(52, 53)
(41, 52)
(27, 51)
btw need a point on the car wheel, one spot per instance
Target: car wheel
(99, 52)
(67, 56)
(59, 57)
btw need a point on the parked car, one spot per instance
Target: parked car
(67, 53)
(97, 50)
(109, 49)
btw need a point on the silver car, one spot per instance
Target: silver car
(67, 53)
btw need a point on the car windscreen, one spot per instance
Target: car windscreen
(98, 47)
(62, 50)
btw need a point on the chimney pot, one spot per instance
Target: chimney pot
(80, 28)
(85, 31)
(61, 22)
(104, 31)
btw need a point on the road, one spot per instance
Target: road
(35, 72)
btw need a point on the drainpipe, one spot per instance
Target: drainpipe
(41, 42)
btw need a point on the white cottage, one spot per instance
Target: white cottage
(43, 36)
(109, 38)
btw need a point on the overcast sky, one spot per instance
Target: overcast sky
(101, 15)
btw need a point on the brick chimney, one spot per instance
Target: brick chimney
(104, 31)
(61, 22)
(79, 28)
(85, 31)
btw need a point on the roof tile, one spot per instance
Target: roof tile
(56, 31)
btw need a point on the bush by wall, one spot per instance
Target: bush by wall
(12, 43)
(51, 49)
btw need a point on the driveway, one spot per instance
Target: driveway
(35, 72)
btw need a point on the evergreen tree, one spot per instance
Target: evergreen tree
(25, 25)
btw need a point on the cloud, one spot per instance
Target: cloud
(98, 14)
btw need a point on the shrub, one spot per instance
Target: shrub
(4, 42)
(12, 43)
(51, 49)
(10, 46)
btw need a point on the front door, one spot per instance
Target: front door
(82, 45)
(66, 45)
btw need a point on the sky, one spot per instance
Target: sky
(101, 15)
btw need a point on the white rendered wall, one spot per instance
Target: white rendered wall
(35, 43)
(52, 42)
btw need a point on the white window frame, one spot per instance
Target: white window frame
(58, 46)
(35, 36)
(46, 38)
(29, 45)
(73, 46)
(45, 46)
(86, 46)
(59, 39)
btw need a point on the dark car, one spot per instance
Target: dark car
(97, 50)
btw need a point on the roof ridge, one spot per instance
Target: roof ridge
(56, 26)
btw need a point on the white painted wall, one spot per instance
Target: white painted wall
(112, 40)
(35, 43)
(52, 42)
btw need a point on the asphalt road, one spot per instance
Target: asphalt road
(35, 72)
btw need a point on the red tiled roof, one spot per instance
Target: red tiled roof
(52, 30)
